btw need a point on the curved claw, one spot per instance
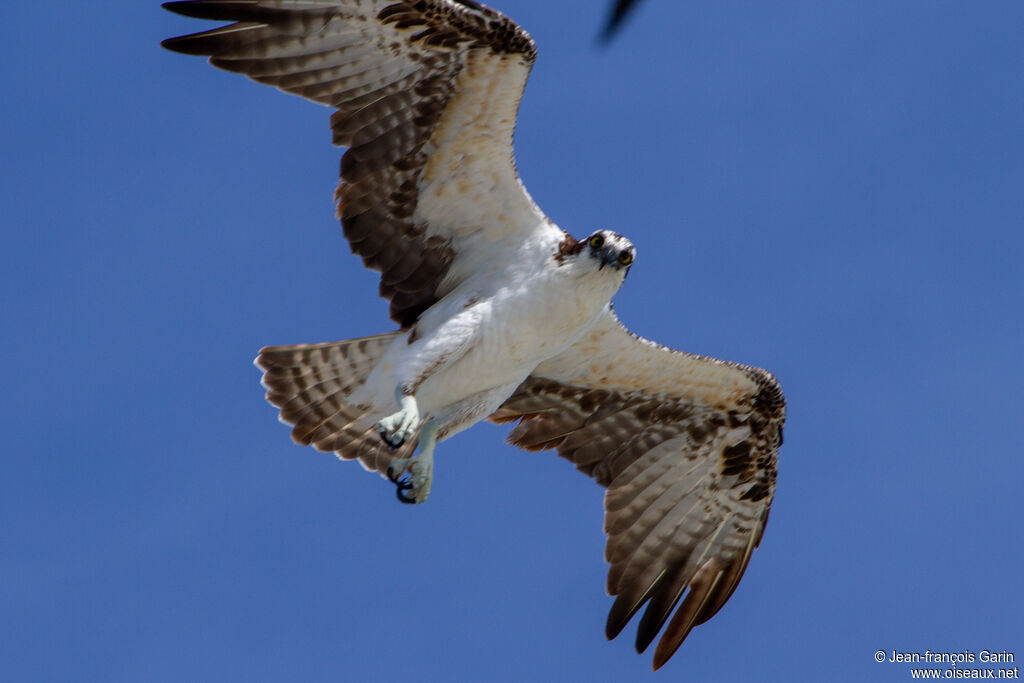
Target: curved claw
(387, 441)
(397, 428)
(395, 475)
(402, 498)
(413, 475)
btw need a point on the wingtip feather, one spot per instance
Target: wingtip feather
(184, 45)
(176, 6)
(210, 9)
(689, 614)
(626, 606)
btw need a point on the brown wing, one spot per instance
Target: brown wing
(686, 447)
(426, 94)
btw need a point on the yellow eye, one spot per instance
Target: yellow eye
(625, 258)
(596, 242)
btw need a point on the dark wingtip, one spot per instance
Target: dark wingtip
(184, 45)
(179, 7)
(613, 627)
(625, 608)
(220, 10)
(645, 635)
(170, 43)
(205, 43)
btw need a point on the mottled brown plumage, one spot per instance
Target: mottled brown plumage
(388, 103)
(686, 448)
(311, 384)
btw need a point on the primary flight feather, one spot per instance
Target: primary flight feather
(501, 314)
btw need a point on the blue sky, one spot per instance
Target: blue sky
(831, 190)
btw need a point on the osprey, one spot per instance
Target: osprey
(501, 314)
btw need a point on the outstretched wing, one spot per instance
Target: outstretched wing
(686, 447)
(426, 94)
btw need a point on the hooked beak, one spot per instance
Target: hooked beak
(609, 257)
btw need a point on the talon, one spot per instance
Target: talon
(397, 469)
(395, 429)
(414, 474)
(410, 475)
(387, 441)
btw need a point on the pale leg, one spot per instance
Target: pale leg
(420, 469)
(395, 429)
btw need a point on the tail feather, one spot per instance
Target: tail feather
(312, 383)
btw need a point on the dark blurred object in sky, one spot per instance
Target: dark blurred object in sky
(620, 10)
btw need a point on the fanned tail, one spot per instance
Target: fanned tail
(312, 385)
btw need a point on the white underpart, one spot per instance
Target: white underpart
(473, 348)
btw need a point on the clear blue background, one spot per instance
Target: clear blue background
(833, 190)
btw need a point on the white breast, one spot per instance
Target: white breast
(521, 317)
(517, 310)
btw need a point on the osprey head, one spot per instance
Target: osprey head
(610, 249)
